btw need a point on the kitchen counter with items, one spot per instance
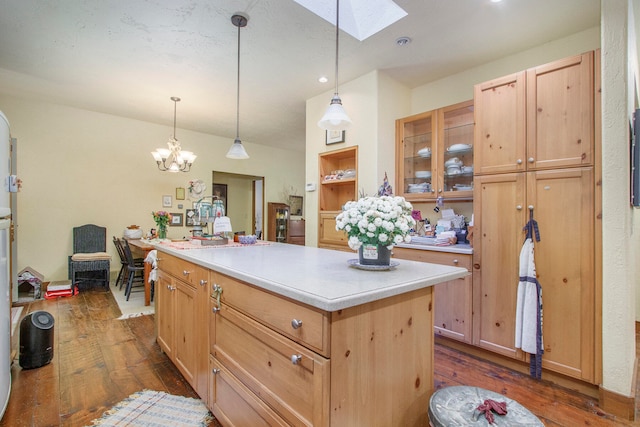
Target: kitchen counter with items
(458, 248)
(280, 334)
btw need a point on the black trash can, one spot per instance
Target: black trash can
(36, 339)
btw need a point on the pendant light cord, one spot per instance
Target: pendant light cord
(238, 91)
(175, 104)
(337, 36)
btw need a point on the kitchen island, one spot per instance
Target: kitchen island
(277, 334)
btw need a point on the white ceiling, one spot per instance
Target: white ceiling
(129, 57)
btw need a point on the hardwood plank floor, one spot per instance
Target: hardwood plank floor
(99, 360)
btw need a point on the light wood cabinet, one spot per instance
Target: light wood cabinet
(541, 118)
(278, 222)
(182, 309)
(275, 361)
(452, 308)
(334, 190)
(434, 153)
(534, 154)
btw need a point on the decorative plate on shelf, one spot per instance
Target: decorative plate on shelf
(356, 264)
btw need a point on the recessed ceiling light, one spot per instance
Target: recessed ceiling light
(403, 41)
(496, 1)
(323, 79)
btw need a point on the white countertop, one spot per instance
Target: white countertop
(317, 277)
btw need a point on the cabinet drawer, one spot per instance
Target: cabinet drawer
(265, 362)
(231, 400)
(434, 257)
(183, 270)
(277, 313)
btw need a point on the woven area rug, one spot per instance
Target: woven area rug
(155, 409)
(134, 307)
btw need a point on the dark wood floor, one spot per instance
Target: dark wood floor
(99, 360)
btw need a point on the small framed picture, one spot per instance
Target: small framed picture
(335, 136)
(220, 193)
(176, 220)
(179, 193)
(190, 217)
(295, 205)
(167, 201)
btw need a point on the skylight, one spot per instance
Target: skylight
(358, 18)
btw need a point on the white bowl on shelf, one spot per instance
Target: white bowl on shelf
(423, 174)
(425, 152)
(456, 148)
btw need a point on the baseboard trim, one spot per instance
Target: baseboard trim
(615, 404)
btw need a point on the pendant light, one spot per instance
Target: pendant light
(335, 118)
(173, 159)
(237, 150)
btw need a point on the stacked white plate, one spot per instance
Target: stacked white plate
(459, 148)
(425, 152)
(423, 174)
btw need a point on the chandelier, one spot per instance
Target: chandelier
(173, 159)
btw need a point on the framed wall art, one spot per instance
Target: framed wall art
(335, 136)
(167, 201)
(176, 220)
(180, 193)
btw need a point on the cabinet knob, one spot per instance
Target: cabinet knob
(530, 159)
(519, 161)
(171, 288)
(215, 371)
(295, 323)
(439, 190)
(185, 272)
(296, 358)
(215, 310)
(455, 261)
(203, 282)
(519, 207)
(530, 207)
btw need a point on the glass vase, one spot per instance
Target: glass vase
(162, 232)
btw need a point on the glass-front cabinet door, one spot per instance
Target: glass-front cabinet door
(457, 149)
(434, 153)
(415, 152)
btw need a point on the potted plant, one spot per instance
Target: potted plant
(374, 225)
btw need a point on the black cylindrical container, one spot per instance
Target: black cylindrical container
(36, 339)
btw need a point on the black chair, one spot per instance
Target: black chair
(122, 274)
(135, 272)
(89, 254)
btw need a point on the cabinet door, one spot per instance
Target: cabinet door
(563, 207)
(185, 355)
(416, 155)
(452, 308)
(500, 125)
(499, 211)
(560, 113)
(328, 236)
(165, 314)
(455, 150)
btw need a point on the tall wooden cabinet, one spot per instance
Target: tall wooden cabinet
(182, 309)
(278, 222)
(338, 184)
(434, 153)
(534, 146)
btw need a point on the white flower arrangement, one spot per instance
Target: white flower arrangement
(384, 221)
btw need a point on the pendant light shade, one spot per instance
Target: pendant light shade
(237, 150)
(173, 159)
(335, 118)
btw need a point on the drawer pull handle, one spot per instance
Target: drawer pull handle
(455, 261)
(171, 288)
(295, 323)
(203, 282)
(217, 291)
(185, 272)
(215, 371)
(215, 310)
(296, 358)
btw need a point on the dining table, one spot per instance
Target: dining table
(140, 249)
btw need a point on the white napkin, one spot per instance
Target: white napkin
(152, 258)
